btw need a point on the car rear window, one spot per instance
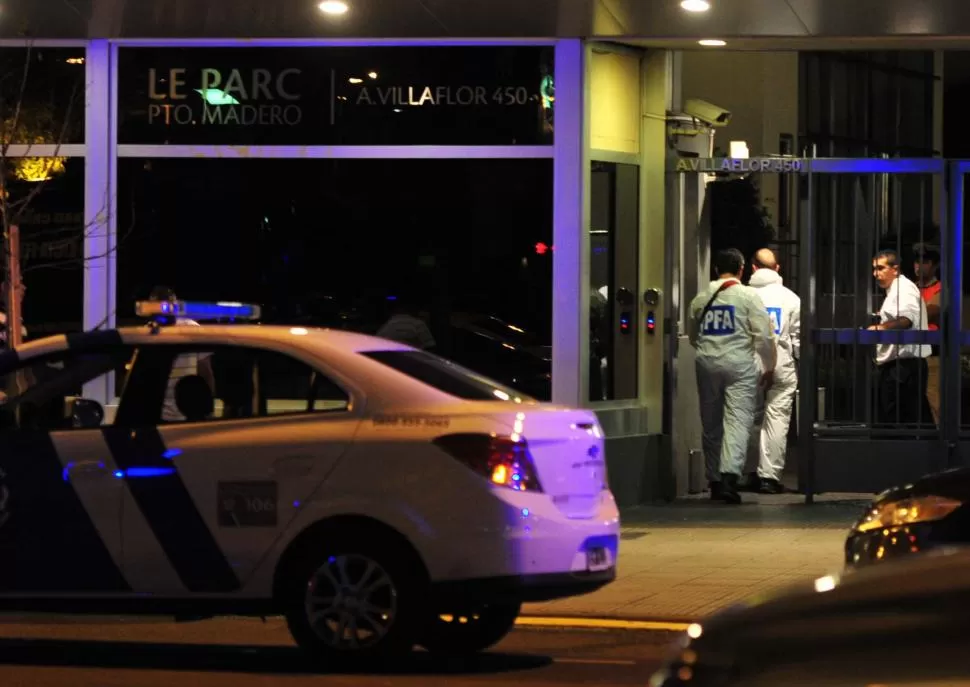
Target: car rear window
(446, 376)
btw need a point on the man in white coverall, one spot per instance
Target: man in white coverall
(729, 326)
(773, 413)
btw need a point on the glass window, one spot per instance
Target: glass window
(465, 245)
(445, 376)
(337, 96)
(916, 133)
(46, 392)
(880, 103)
(231, 382)
(42, 95)
(46, 199)
(614, 316)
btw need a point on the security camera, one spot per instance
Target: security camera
(706, 112)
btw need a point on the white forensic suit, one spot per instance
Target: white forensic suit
(773, 413)
(728, 335)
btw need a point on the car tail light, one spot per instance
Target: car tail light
(500, 460)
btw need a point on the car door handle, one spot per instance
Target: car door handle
(293, 466)
(92, 468)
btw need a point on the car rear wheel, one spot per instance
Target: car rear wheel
(470, 630)
(353, 599)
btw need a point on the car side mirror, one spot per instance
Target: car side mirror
(86, 413)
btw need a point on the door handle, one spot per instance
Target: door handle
(87, 467)
(293, 466)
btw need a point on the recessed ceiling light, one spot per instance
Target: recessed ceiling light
(712, 42)
(333, 7)
(695, 5)
(355, 80)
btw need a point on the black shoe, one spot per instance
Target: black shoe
(751, 482)
(715, 488)
(771, 486)
(729, 488)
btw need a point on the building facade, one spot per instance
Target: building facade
(501, 167)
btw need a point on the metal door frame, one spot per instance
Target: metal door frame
(831, 460)
(955, 331)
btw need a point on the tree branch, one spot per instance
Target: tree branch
(72, 263)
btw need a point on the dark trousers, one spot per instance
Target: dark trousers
(901, 393)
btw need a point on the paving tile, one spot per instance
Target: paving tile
(688, 561)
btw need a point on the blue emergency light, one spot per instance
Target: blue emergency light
(167, 311)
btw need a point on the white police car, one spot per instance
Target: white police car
(377, 496)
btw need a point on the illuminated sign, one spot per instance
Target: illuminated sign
(405, 96)
(737, 165)
(416, 95)
(247, 97)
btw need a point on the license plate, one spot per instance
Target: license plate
(598, 559)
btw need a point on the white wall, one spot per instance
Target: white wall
(760, 89)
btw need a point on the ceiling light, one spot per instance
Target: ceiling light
(695, 5)
(712, 42)
(355, 79)
(333, 7)
(372, 75)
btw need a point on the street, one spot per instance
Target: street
(241, 652)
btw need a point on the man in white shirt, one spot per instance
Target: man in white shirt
(404, 326)
(773, 412)
(901, 370)
(184, 365)
(729, 327)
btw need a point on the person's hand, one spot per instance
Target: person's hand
(767, 379)
(875, 327)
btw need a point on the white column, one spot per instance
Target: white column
(98, 201)
(570, 262)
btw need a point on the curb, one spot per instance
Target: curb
(601, 623)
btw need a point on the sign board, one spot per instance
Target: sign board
(735, 165)
(421, 95)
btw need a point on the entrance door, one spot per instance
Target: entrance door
(861, 426)
(861, 223)
(615, 321)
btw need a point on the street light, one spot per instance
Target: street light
(695, 5)
(333, 7)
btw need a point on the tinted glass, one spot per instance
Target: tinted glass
(42, 95)
(445, 376)
(219, 383)
(332, 243)
(49, 209)
(339, 96)
(42, 389)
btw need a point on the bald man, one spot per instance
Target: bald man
(773, 412)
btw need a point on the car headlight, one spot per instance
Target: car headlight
(906, 512)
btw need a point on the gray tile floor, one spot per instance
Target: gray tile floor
(684, 560)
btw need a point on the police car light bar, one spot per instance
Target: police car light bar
(168, 310)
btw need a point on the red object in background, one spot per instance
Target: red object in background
(541, 248)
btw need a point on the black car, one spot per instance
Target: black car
(902, 624)
(930, 513)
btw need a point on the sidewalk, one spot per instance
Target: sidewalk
(682, 561)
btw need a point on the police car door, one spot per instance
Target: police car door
(234, 468)
(60, 498)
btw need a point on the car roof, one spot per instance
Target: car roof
(311, 337)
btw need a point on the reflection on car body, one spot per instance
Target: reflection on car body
(911, 519)
(903, 624)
